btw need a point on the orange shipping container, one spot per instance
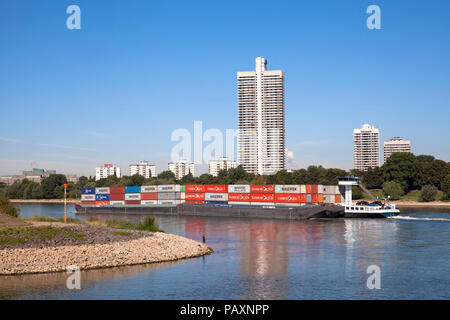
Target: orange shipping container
(88, 202)
(196, 196)
(117, 196)
(287, 197)
(315, 198)
(337, 198)
(255, 197)
(314, 189)
(195, 188)
(320, 197)
(262, 189)
(102, 203)
(308, 188)
(303, 198)
(117, 190)
(239, 197)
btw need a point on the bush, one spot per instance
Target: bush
(392, 189)
(7, 207)
(357, 193)
(445, 184)
(428, 193)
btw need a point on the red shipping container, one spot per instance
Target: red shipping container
(194, 196)
(314, 189)
(117, 196)
(132, 201)
(102, 203)
(195, 201)
(149, 196)
(116, 190)
(256, 197)
(287, 197)
(239, 197)
(221, 188)
(195, 188)
(303, 198)
(314, 198)
(262, 189)
(337, 198)
(88, 202)
(308, 188)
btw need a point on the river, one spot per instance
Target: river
(268, 259)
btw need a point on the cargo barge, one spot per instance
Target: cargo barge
(221, 210)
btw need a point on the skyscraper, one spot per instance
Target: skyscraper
(396, 144)
(366, 147)
(261, 132)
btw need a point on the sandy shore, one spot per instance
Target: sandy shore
(101, 247)
(434, 204)
(44, 200)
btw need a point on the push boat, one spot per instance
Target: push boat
(363, 209)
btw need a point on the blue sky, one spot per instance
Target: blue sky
(137, 70)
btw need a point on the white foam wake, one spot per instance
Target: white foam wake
(416, 218)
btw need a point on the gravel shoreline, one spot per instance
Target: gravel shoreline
(102, 248)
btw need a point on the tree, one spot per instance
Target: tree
(8, 208)
(446, 186)
(428, 193)
(50, 183)
(300, 176)
(187, 179)
(393, 189)
(401, 167)
(166, 175)
(357, 193)
(373, 178)
(207, 178)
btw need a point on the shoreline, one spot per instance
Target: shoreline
(102, 247)
(43, 200)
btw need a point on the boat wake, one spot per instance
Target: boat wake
(419, 219)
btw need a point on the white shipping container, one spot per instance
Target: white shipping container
(132, 196)
(288, 188)
(145, 189)
(281, 204)
(103, 190)
(328, 198)
(171, 202)
(239, 203)
(269, 204)
(115, 203)
(88, 197)
(216, 196)
(239, 188)
(303, 188)
(169, 188)
(320, 188)
(149, 201)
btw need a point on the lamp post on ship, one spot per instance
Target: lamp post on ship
(65, 202)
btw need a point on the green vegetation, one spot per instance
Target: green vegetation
(51, 219)
(149, 224)
(8, 208)
(122, 233)
(393, 189)
(428, 193)
(22, 235)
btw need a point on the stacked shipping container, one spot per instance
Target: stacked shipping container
(274, 195)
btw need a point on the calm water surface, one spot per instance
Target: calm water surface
(267, 259)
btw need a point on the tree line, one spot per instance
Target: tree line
(401, 173)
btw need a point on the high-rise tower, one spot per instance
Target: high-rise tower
(261, 131)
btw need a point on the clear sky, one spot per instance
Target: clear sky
(137, 70)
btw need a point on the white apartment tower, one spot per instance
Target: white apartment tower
(214, 166)
(396, 144)
(261, 131)
(144, 169)
(181, 168)
(366, 147)
(106, 170)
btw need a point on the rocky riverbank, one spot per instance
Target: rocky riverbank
(53, 246)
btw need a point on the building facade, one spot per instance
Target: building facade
(144, 169)
(214, 166)
(396, 144)
(106, 170)
(261, 123)
(366, 147)
(181, 168)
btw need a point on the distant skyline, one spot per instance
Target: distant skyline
(114, 91)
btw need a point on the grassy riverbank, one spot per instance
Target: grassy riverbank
(43, 244)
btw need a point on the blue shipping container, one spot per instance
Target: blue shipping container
(217, 202)
(102, 197)
(88, 191)
(132, 189)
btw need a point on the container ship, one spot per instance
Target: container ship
(294, 202)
